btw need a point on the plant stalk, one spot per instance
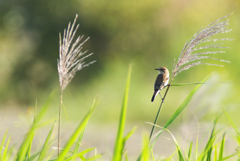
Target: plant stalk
(59, 121)
(156, 118)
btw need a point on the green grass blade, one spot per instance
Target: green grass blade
(3, 141)
(222, 147)
(78, 143)
(75, 135)
(230, 156)
(79, 154)
(153, 159)
(184, 84)
(28, 154)
(234, 127)
(32, 157)
(190, 151)
(22, 152)
(208, 149)
(45, 123)
(117, 156)
(49, 155)
(130, 134)
(45, 145)
(209, 153)
(145, 149)
(209, 146)
(215, 153)
(83, 158)
(9, 152)
(44, 108)
(184, 104)
(180, 109)
(196, 150)
(180, 155)
(126, 156)
(127, 137)
(4, 156)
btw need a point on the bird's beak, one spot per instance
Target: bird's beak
(156, 69)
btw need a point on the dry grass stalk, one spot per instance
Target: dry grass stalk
(188, 56)
(71, 60)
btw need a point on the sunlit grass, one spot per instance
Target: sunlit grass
(212, 150)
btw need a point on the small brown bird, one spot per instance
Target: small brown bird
(161, 81)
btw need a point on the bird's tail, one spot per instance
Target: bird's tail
(153, 97)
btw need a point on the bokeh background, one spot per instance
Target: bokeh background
(147, 34)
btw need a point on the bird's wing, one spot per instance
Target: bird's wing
(158, 82)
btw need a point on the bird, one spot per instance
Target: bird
(161, 81)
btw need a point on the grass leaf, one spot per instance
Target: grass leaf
(180, 109)
(119, 140)
(75, 135)
(22, 151)
(78, 143)
(209, 146)
(190, 151)
(145, 149)
(234, 127)
(230, 156)
(28, 154)
(79, 154)
(222, 147)
(3, 141)
(45, 145)
(127, 137)
(4, 156)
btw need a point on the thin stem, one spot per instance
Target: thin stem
(156, 118)
(59, 121)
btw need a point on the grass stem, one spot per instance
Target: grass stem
(59, 121)
(156, 118)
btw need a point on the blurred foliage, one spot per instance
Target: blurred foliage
(148, 34)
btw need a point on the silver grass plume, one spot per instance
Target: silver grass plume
(71, 60)
(189, 54)
(71, 57)
(189, 58)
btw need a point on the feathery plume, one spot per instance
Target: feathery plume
(187, 56)
(71, 60)
(71, 57)
(203, 35)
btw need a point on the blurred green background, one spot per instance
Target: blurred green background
(147, 34)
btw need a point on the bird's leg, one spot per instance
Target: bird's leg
(166, 86)
(161, 96)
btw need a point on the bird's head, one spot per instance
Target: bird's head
(162, 70)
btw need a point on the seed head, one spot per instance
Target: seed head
(189, 55)
(71, 57)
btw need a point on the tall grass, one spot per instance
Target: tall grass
(189, 58)
(120, 140)
(70, 62)
(213, 150)
(24, 153)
